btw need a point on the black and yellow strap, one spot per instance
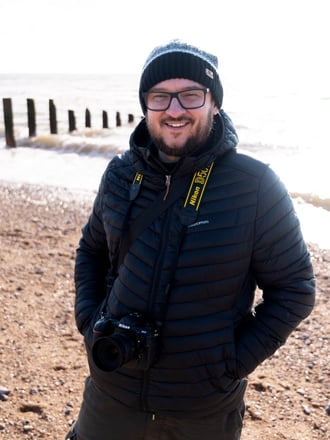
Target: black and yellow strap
(197, 187)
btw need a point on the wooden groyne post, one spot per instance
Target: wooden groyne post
(88, 119)
(31, 117)
(72, 120)
(118, 119)
(9, 122)
(105, 121)
(52, 117)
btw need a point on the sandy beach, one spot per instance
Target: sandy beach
(42, 357)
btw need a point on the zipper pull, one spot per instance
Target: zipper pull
(167, 184)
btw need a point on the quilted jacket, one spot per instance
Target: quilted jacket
(197, 277)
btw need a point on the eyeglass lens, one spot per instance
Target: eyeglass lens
(188, 99)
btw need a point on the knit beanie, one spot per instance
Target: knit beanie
(178, 59)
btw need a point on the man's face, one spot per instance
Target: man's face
(177, 131)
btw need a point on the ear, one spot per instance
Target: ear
(215, 110)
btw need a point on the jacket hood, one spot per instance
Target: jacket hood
(222, 139)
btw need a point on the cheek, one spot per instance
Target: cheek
(152, 121)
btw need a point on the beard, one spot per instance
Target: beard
(192, 144)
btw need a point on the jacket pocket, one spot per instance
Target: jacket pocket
(88, 330)
(230, 356)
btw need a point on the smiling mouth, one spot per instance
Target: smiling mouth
(176, 124)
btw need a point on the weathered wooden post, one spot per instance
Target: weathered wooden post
(130, 118)
(52, 117)
(9, 122)
(118, 120)
(31, 117)
(88, 122)
(72, 121)
(105, 123)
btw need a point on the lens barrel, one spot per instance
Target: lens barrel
(111, 352)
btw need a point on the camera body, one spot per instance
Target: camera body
(130, 340)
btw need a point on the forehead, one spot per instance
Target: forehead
(176, 84)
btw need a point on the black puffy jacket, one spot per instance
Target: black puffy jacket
(200, 280)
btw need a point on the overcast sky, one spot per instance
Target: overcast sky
(274, 38)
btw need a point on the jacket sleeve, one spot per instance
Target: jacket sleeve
(282, 268)
(91, 267)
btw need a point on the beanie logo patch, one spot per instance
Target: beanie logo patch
(209, 73)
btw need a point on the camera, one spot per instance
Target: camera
(131, 340)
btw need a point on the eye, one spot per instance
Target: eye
(158, 96)
(191, 94)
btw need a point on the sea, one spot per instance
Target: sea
(287, 128)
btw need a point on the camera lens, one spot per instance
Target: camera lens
(111, 352)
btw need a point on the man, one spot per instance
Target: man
(182, 231)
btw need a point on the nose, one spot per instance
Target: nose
(175, 107)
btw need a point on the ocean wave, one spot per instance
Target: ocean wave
(312, 199)
(105, 143)
(90, 141)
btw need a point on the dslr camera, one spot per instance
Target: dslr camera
(131, 340)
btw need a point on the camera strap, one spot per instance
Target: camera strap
(145, 219)
(188, 216)
(178, 187)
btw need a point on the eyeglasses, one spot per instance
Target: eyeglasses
(188, 99)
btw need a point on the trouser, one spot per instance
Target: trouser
(121, 423)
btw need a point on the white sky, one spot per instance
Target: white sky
(268, 38)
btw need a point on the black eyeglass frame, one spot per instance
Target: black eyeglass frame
(176, 95)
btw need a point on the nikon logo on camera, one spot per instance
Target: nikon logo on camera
(130, 341)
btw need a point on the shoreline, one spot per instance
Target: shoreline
(92, 158)
(309, 208)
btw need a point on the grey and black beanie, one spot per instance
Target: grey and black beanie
(178, 59)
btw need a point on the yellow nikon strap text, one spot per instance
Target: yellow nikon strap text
(135, 186)
(197, 187)
(138, 178)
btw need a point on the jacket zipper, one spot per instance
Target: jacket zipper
(154, 288)
(167, 185)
